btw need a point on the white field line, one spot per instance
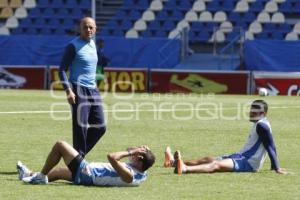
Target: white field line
(130, 110)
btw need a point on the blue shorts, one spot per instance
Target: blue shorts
(240, 163)
(82, 176)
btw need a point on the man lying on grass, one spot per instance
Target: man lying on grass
(80, 172)
(249, 159)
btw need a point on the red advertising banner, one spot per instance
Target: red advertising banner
(116, 79)
(277, 83)
(219, 82)
(23, 77)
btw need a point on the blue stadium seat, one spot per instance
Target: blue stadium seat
(169, 25)
(121, 14)
(233, 35)
(234, 17)
(112, 24)
(76, 13)
(203, 36)
(177, 15)
(134, 15)
(154, 25)
(35, 12)
(49, 13)
(249, 17)
(118, 33)
(85, 4)
(143, 4)
(46, 31)
(31, 31)
(126, 24)
(54, 23)
(26, 22)
(39, 23)
(60, 31)
(71, 4)
(296, 8)
(146, 33)
(44, 4)
(17, 31)
(213, 6)
(57, 4)
(128, 4)
(68, 23)
(185, 5)
(63, 13)
(197, 26)
(104, 32)
(193, 36)
(161, 33)
(163, 15)
(285, 7)
(257, 6)
(229, 5)
(171, 5)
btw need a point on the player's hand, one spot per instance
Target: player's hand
(139, 151)
(281, 171)
(71, 96)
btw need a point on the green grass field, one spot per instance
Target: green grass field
(181, 122)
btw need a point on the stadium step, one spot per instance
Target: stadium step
(105, 10)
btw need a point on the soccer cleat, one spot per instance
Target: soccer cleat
(22, 170)
(169, 158)
(180, 167)
(37, 178)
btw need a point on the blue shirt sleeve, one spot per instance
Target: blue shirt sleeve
(265, 135)
(66, 62)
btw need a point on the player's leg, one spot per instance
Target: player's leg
(80, 113)
(96, 121)
(226, 165)
(61, 173)
(60, 150)
(205, 160)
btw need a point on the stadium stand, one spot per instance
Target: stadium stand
(210, 23)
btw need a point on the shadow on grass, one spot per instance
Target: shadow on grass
(8, 173)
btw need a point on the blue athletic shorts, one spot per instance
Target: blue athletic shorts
(240, 163)
(82, 176)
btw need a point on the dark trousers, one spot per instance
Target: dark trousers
(87, 119)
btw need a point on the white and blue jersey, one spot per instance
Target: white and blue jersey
(260, 143)
(103, 174)
(81, 58)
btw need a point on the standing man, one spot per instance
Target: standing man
(80, 58)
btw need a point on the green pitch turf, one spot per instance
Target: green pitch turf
(198, 125)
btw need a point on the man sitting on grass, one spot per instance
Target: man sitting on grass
(249, 159)
(80, 172)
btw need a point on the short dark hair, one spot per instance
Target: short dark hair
(148, 160)
(260, 104)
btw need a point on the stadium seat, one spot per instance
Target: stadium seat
(31, 31)
(54, 23)
(278, 18)
(292, 36)
(15, 3)
(255, 27)
(161, 33)
(85, 4)
(126, 24)
(177, 15)
(169, 25)
(21, 12)
(162, 15)
(203, 36)
(39, 23)
(285, 7)
(218, 37)
(173, 34)
(271, 7)
(154, 25)
(68, 23)
(199, 6)
(229, 5)
(4, 4)
(46, 31)
(57, 4)
(191, 16)
(71, 4)
(16, 31)
(4, 30)
(263, 17)
(242, 6)
(226, 27)
(220, 16)
(140, 25)
(6, 12)
(29, 3)
(213, 6)
(148, 15)
(184, 5)
(249, 35)
(205, 16)
(49, 13)
(197, 26)
(296, 28)
(35, 12)
(62, 13)
(134, 15)
(76, 13)
(156, 5)
(59, 31)
(256, 6)
(25, 23)
(132, 34)
(146, 34)
(183, 24)
(12, 22)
